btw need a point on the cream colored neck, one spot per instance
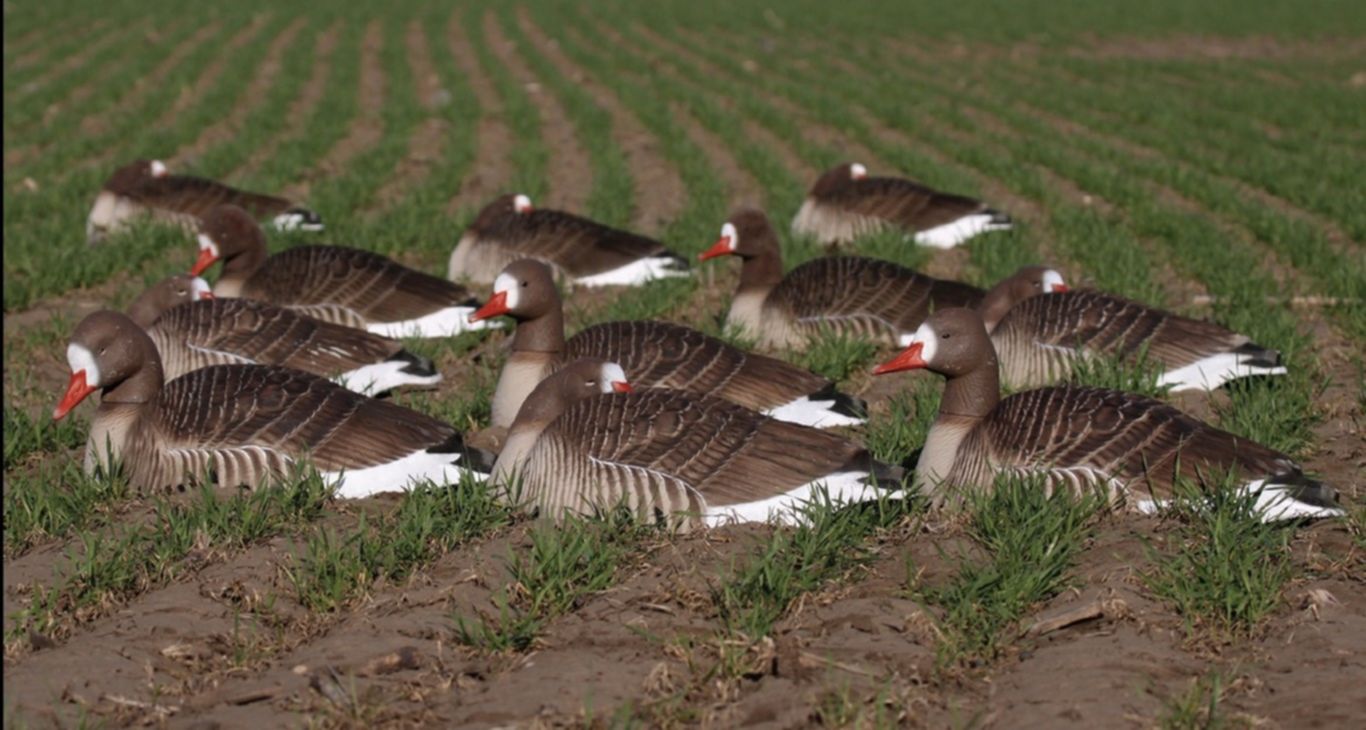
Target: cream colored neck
(940, 452)
(109, 432)
(521, 374)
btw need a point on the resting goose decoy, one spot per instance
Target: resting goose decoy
(1038, 338)
(586, 439)
(1134, 447)
(850, 295)
(653, 353)
(147, 188)
(345, 286)
(193, 330)
(242, 425)
(845, 204)
(581, 251)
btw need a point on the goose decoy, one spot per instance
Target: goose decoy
(345, 286)
(1134, 447)
(849, 295)
(147, 188)
(845, 204)
(1038, 338)
(581, 251)
(193, 330)
(587, 439)
(653, 353)
(242, 425)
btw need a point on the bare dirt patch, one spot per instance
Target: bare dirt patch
(80, 58)
(569, 170)
(35, 55)
(367, 128)
(426, 143)
(492, 169)
(1217, 48)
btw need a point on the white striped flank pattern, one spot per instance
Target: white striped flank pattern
(1215, 370)
(382, 376)
(960, 231)
(1274, 503)
(635, 273)
(814, 413)
(396, 476)
(441, 323)
(843, 488)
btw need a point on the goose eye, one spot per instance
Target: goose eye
(180, 292)
(947, 335)
(589, 383)
(524, 284)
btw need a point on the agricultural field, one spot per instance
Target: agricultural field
(1205, 157)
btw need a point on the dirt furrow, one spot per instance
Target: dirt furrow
(302, 108)
(366, 128)
(247, 102)
(190, 95)
(660, 195)
(35, 55)
(570, 171)
(428, 140)
(491, 172)
(79, 59)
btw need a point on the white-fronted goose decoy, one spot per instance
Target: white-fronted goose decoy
(345, 286)
(147, 188)
(193, 330)
(845, 204)
(653, 354)
(585, 439)
(242, 425)
(1133, 446)
(581, 251)
(1038, 338)
(849, 295)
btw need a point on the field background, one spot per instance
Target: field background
(1206, 157)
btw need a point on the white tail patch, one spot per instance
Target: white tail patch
(1215, 370)
(635, 273)
(294, 222)
(847, 487)
(959, 231)
(1274, 502)
(381, 376)
(397, 475)
(814, 413)
(446, 322)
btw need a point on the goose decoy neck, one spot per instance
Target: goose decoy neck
(231, 235)
(111, 353)
(749, 234)
(954, 343)
(973, 394)
(499, 212)
(834, 179)
(1029, 281)
(525, 290)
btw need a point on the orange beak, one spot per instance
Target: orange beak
(76, 391)
(496, 305)
(205, 260)
(621, 386)
(206, 295)
(909, 359)
(720, 248)
(1059, 288)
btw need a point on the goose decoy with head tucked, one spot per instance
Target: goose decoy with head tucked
(586, 439)
(193, 330)
(1039, 338)
(845, 204)
(242, 425)
(345, 286)
(580, 251)
(652, 354)
(849, 295)
(1134, 447)
(147, 188)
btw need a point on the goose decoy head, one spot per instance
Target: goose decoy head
(838, 177)
(950, 342)
(500, 209)
(105, 350)
(135, 174)
(225, 232)
(583, 378)
(165, 294)
(747, 234)
(525, 290)
(1027, 282)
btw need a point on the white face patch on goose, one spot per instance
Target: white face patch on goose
(508, 284)
(80, 358)
(159, 168)
(929, 340)
(199, 289)
(521, 204)
(857, 171)
(728, 233)
(207, 244)
(1052, 280)
(611, 373)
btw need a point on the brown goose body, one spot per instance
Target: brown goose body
(145, 189)
(192, 333)
(672, 456)
(848, 295)
(345, 286)
(1040, 338)
(1133, 446)
(242, 425)
(845, 204)
(652, 354)
(579, 250)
